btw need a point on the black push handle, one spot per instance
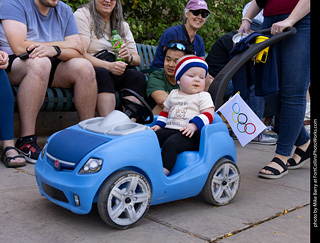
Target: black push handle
(221, 81)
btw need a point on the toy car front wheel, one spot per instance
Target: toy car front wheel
(223, 183)
(124, 199)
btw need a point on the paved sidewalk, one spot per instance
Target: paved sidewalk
(263, 211)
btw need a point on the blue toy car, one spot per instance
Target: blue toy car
(117, 164)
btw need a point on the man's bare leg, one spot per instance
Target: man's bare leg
(32, 77)
(78, 73)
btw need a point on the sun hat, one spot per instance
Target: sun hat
(187, 62)
(197, 4)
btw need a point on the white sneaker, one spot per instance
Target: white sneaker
(264, 139)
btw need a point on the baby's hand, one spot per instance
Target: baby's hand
(189, 130)
(156, 128)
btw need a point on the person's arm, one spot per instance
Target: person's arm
(195, 124)
(117, 68)
(159, 97)
(156, 87)
(47, 49)
(210, 111)
(132, 58)
(301, 9)
(16, 33)
(252, 12)
(162, 120)
(128, 49)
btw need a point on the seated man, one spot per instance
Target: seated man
(46, 29)
(162, 82)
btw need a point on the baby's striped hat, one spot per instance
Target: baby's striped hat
(187, 62)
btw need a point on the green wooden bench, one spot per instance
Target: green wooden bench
(62, 99)
(146, 53)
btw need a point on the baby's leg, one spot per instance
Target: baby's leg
(176, 144)
(163, 134)
(165, 171)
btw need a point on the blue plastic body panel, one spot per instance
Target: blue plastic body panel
(139, 152)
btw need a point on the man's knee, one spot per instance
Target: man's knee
(39, 66)
(83, 69)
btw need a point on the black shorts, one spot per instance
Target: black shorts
(54, 62)
(130, 79)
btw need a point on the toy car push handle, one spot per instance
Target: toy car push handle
(221, 81)
(290, 31)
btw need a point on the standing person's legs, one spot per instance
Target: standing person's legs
(10, 156)
(295, 78)
(78, 73)
(294, 81)
(7, 104)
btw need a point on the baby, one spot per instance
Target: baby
(185, 112)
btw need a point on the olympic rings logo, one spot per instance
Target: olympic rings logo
(241, 121)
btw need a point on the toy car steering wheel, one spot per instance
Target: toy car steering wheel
(134, 110)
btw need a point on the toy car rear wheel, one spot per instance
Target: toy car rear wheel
(124, 199)
(222, 183)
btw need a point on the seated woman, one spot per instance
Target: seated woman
(95, 22)
(195, 15)
(162, 82)
(10, 156)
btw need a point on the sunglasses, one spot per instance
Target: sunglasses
(204, 13)
(179, 46)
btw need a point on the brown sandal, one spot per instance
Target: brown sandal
(8, 160)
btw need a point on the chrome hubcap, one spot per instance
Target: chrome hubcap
(128, 200)
(225, 183)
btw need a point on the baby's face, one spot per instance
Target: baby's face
(193, 80)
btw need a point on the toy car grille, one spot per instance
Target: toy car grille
(60, 164)
(54, 193)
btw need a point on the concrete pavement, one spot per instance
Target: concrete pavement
(263, 211)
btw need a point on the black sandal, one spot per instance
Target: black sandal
(292, 164)
(7, 160)
(276, 173)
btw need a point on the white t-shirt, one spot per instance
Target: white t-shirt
(183, 107)
(86, 27)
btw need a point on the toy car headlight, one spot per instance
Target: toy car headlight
(93, 165)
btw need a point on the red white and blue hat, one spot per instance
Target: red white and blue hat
(187, 62)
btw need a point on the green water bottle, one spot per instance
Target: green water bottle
(116, 45)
